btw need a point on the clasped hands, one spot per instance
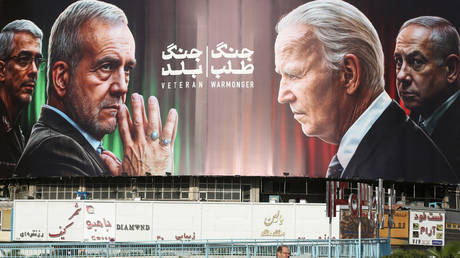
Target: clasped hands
(148, 147)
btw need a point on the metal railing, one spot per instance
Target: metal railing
(210, 248)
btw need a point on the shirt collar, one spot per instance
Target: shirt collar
(431, 122)
(360, 127)
(92, 141)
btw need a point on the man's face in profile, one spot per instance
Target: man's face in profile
(285, 253)
(307, 84)
(21, 69)
(419, 78)
(100, 82)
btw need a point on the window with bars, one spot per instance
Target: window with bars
(56, 191)
(150, 188)
(107, 191)
(159, 188)
(223, 189)
(165, 188)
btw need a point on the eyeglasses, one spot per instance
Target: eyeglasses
(24, 60)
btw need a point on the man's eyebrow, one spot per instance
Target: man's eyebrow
(26, 52)
(415, 53)
(107, 59)
(418, 54)
(291, 47)
(411, 55)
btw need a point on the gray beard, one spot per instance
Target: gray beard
(87, 119)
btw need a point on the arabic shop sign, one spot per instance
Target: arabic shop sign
(273, 226)
(98, 226)
(427, 228)
(60, 230)
(149, 221)
(96, 218)
(33, 234)
(222, 68)
(65, 222)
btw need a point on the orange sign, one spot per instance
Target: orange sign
(399, 230)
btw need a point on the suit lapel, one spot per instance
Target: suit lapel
(379, 131)
(58, 123)
(449, 120)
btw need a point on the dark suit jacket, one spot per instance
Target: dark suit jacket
(11, 142)
(56, 148)
(395, 148)
(446, 135)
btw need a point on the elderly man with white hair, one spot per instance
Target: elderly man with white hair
(330, 60)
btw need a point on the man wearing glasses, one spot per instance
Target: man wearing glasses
(20, 60)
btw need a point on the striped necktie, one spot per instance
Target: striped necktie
(335, 169)
(100, 149)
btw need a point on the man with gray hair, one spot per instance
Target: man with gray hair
(427, 62)
(20, 61)
(330, 60)
(91, 56)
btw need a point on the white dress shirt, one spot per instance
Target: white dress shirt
(359, 129)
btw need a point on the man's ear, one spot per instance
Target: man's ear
(2, 71)
(452, 64)
(351, 73)
(61, 74)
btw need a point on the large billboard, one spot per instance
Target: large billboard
(214, 62)
(150, 221)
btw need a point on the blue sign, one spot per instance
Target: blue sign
(436, 242)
